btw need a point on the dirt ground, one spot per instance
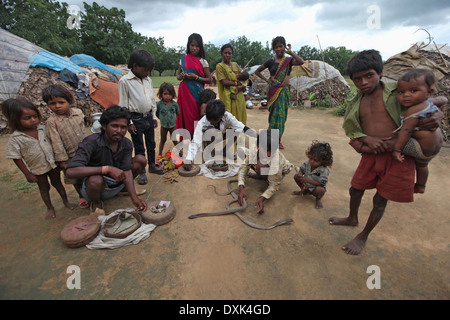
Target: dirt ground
(222, 258)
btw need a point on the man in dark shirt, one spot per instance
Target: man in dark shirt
(104, 161)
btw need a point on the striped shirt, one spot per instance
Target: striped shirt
(279, 166)
(65, 133)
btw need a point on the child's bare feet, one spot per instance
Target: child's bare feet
(343, 221)
(70, 205)
(319, 204)
(355, 246)
(419, 188)
(297, 192)
(50, 214)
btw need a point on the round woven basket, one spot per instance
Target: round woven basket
(191, 173)
(80, 231)
(122, 225)
(158, 218)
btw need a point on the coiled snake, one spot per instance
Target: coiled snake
(236, 211)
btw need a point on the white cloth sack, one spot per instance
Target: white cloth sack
(103, 242)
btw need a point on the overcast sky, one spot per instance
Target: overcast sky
(390, 26)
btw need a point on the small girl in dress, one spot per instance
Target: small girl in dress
(167, 111)
(312, 176)
(32, 151)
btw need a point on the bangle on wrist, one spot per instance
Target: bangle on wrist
(104, 170)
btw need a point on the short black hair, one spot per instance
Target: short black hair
(417, 73)
(166, 86)
(57, 91)
(12, 109)
(114, 112)
(225, 46)
(207, 95)
(142, 58)
(215, 109)
(365, 60)
(323, 152)
(278, 39)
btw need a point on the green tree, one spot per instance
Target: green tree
(249, 52)
(106, 35)
(42, 22)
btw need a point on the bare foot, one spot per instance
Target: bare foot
(70, 205)
(297, 192)
(418, 188)
(355, 246)
(343, 221)
(319, 204)
(50, 214)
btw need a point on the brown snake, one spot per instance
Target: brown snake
(236, 210)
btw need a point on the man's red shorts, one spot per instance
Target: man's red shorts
(393, 180)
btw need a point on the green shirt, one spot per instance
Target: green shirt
(352, 124)
(167, 115)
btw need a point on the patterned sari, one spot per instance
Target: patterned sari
(235, 107)
(278, 97)
(189, 94)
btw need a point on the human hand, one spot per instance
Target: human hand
(398, 156)
(155, 123)
(432, 122)
(242, 195)
(132, 129)
(31, 178)
(260, 204)
(115, 173)
(140, 204)
(288, 49)
(378, 145)
(181, 76)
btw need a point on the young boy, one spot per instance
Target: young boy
(136, 94)
(216, 118)
(371, 116)
(268, 163)
(65, 130)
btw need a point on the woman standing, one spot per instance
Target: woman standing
(194, 73)
(278, 95)
(231, 91)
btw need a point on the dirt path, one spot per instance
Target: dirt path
(222, 258)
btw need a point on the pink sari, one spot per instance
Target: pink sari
(189, 94)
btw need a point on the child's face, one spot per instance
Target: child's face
(194, 48)
(29, 119)
(141, 72)
(314, 161)
(279, 49)
(367, 81)
(59, 106)
(167, 96)
(413, 92)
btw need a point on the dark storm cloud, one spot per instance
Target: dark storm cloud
(403, 13)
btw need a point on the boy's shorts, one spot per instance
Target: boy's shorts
(393, 180)
(110, 191)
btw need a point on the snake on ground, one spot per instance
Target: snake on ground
(236, 211)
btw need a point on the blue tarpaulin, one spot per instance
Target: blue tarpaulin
(53, 61)
(86, 60)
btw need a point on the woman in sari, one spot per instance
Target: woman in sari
(193, 73)
(278, 94)
(231, 91)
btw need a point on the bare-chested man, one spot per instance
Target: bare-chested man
(371, 117)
